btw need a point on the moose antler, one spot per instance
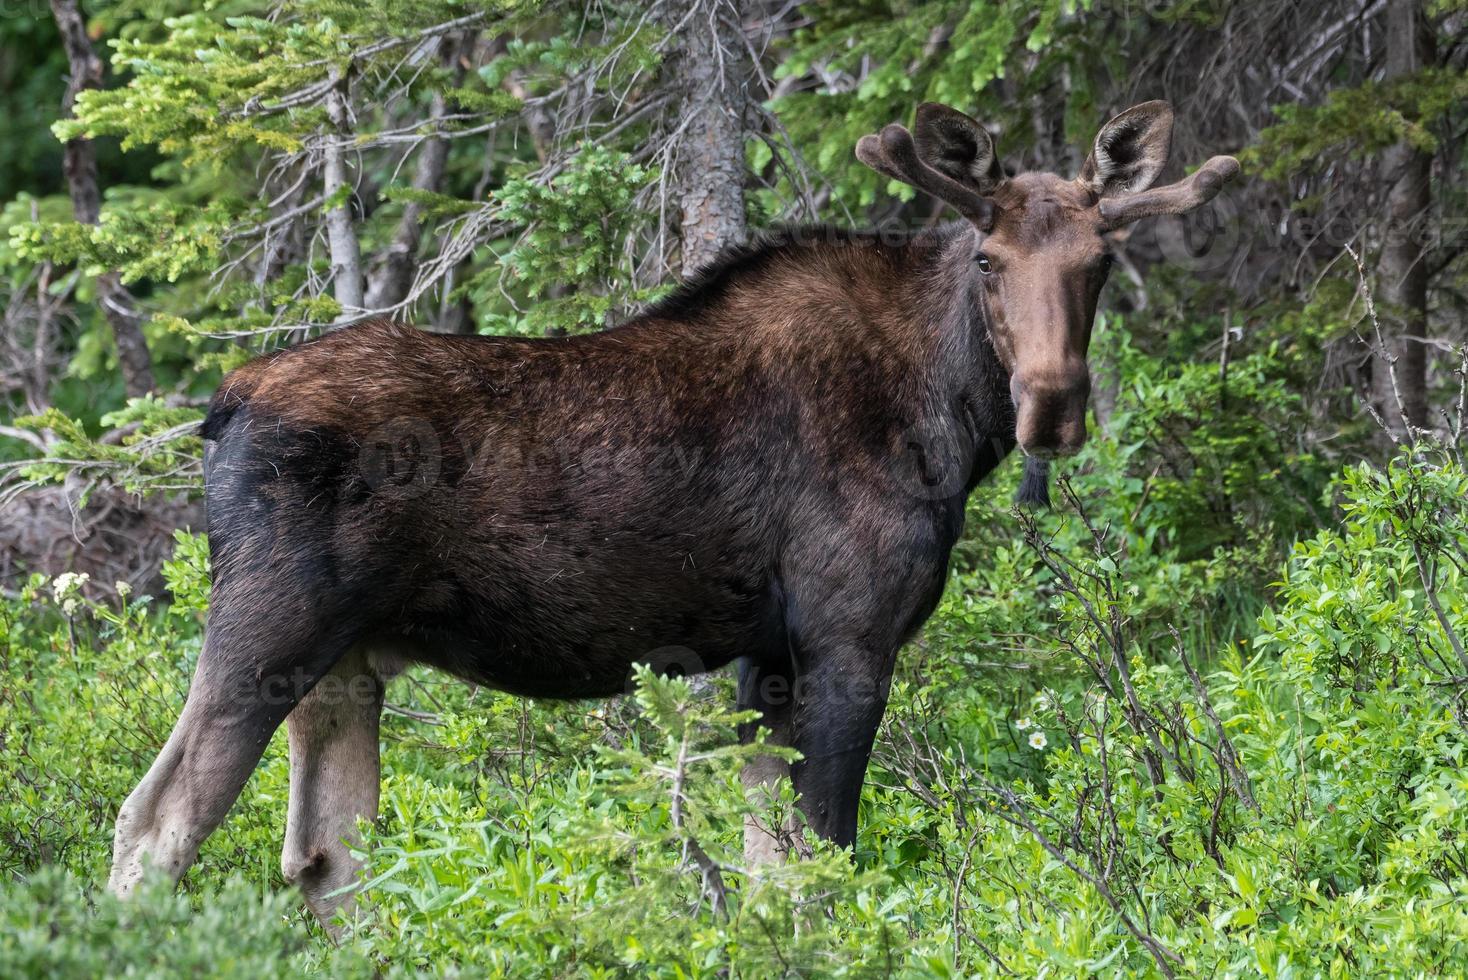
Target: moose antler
(1193, 191)
(894, 154)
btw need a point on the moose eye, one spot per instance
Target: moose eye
(985, 266)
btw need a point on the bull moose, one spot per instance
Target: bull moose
(767, 468)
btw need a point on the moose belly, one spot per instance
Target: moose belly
(581, 628)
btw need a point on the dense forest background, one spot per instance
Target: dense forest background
(1206, 717)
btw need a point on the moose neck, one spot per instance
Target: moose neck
(967, 380)
(813, 301)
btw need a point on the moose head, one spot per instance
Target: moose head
(1040, 255)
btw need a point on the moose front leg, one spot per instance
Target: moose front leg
(840, 698)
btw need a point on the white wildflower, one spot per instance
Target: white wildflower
(68, 584)
(1023, 723)
(1038, 740)
(123, 589)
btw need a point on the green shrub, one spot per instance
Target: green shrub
(1069, 780)
(54, 925)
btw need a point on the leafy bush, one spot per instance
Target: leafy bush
(54, 925)
(1073, 776)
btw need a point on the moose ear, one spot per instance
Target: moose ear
(1130, 150)
(957, 146)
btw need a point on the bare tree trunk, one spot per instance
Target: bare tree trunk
(341, 232)
(281, 242)
(455, 316)
(711, 67)
(394, 276)
(79, 165)
(1401, 394)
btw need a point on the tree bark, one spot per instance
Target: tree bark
(710, 65)
(1399, 377)
(341, 231)
(394, 275)
(79, 165)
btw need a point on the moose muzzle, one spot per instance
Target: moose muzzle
(1050, 413)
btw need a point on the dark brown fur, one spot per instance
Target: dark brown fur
(539, 515)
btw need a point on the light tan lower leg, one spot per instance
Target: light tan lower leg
(334, 781)
(761, 776)
(219, 737)
(764, 844)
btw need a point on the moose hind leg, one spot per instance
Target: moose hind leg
(231, 712)
(334, 780)
(769, 690)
